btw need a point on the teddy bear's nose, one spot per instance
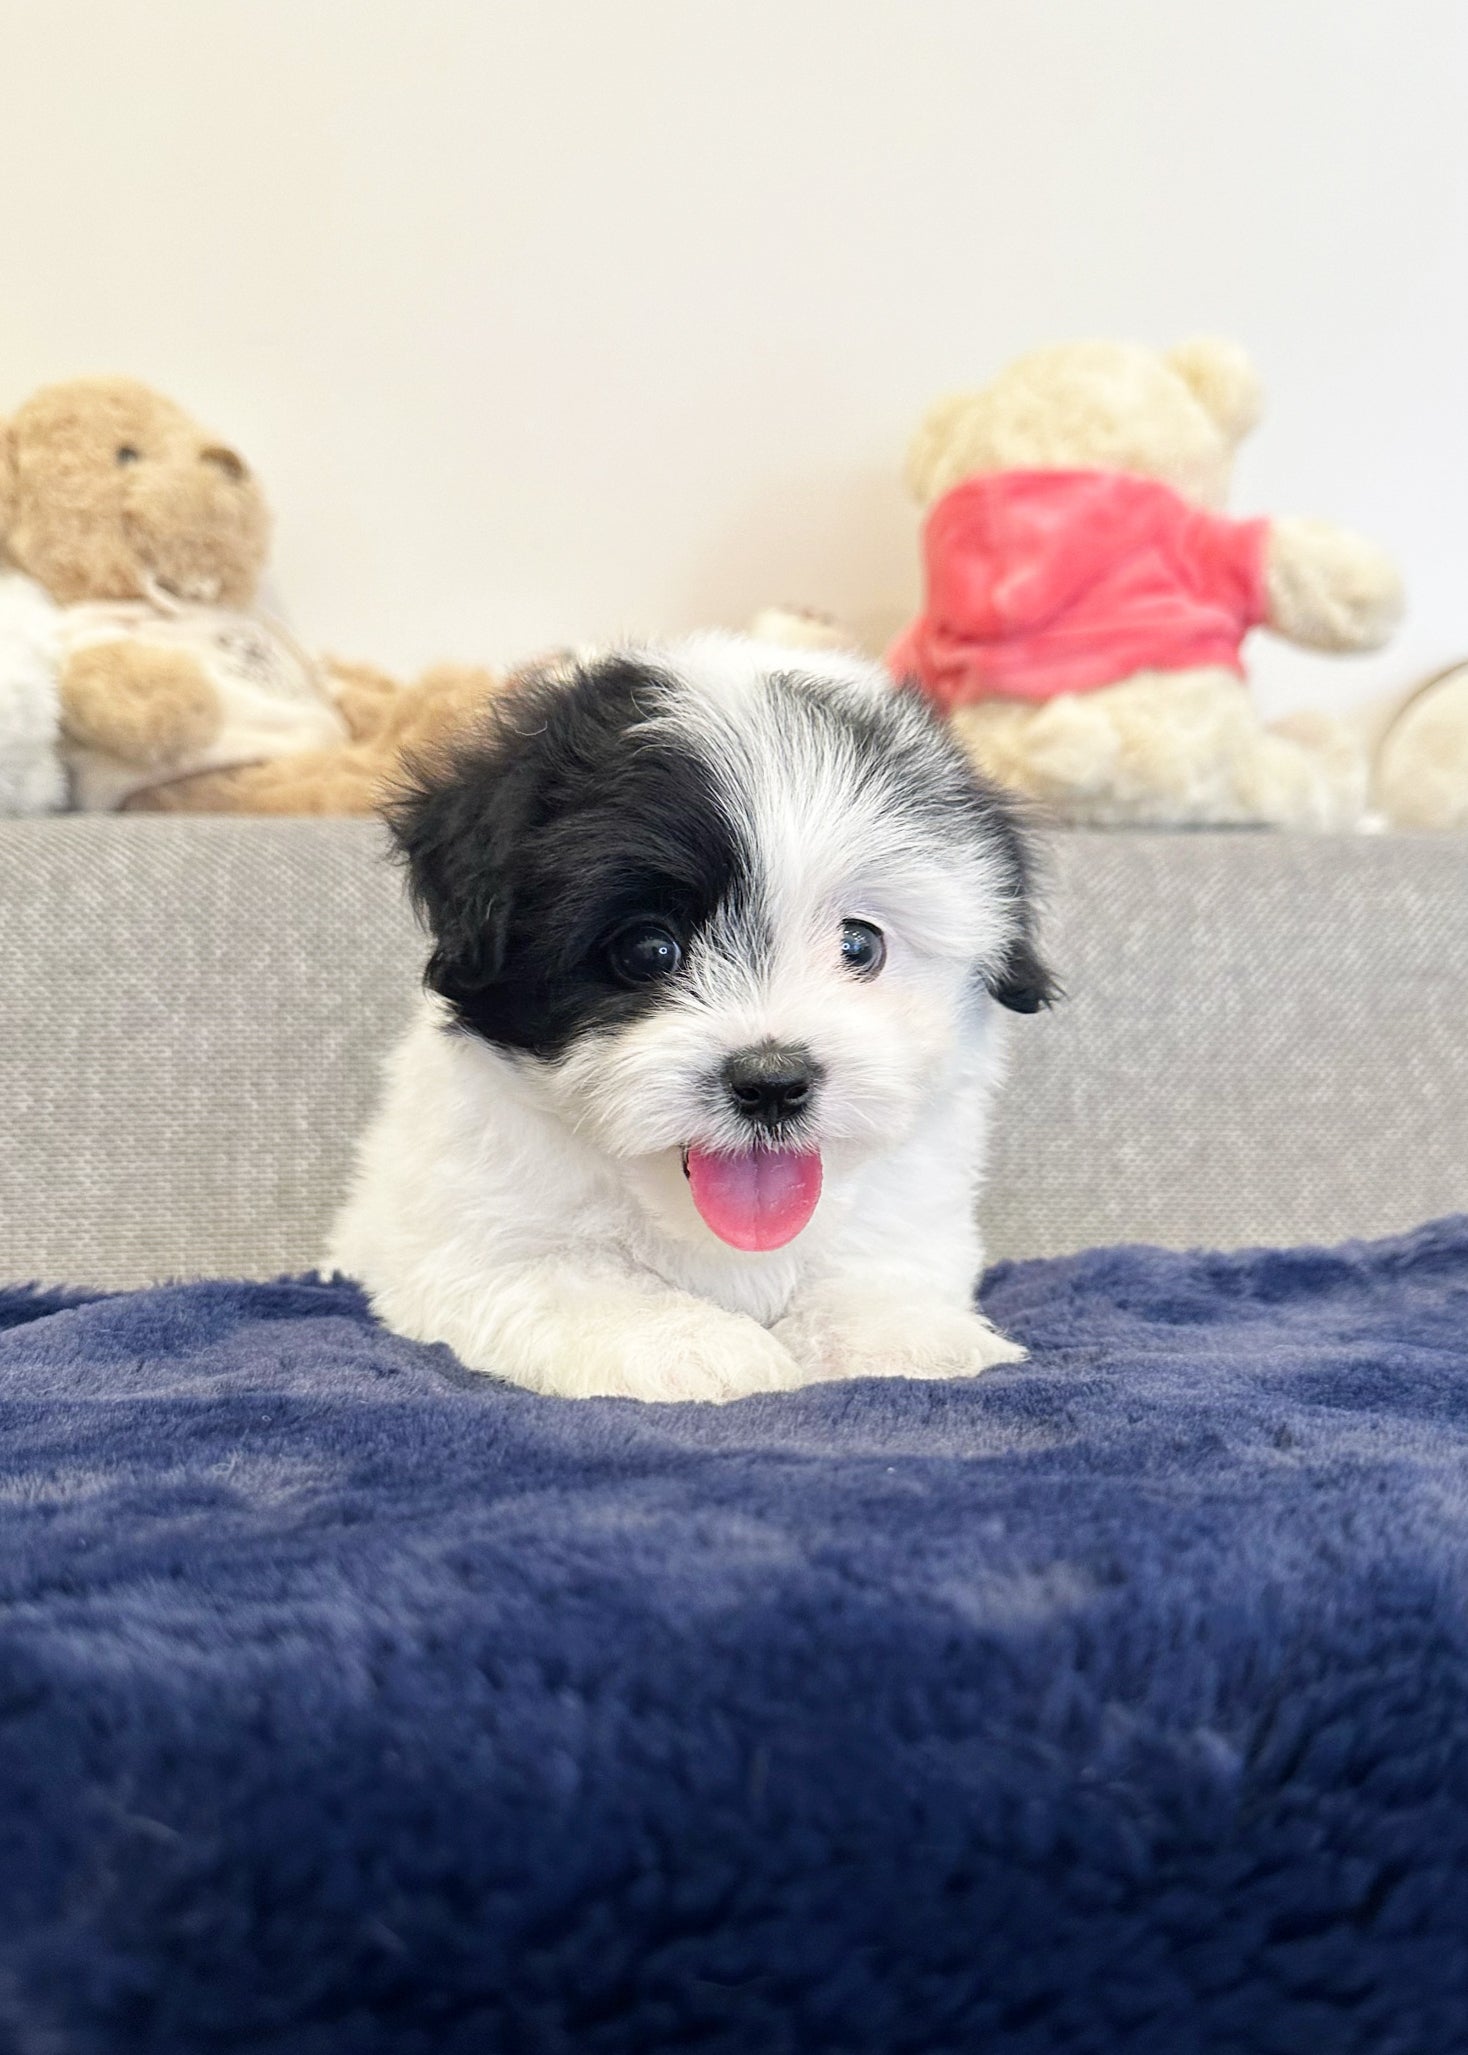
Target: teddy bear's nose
(224, 460)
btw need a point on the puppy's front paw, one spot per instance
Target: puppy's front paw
(669, 1353)
(848, 1335)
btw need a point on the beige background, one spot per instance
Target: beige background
(557, 318)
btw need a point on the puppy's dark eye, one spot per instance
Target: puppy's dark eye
(863, 949)
(643, 951)
(127, 454)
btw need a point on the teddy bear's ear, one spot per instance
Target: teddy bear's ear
(928, 452)
(1223, 380)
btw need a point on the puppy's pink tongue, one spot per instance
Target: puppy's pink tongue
(756, 1201)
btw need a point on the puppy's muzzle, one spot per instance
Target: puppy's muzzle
(772, 1085)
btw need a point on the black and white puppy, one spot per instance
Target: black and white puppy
(695, 1105)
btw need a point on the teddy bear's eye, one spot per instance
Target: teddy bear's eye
(127, 454)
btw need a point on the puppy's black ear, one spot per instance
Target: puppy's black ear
(457, 822)
(1023, 981)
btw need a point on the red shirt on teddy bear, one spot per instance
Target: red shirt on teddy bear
(1043, 582)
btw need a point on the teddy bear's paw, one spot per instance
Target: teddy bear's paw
(1306, 771)
(1328, 588)
(142, 703)
(365, 697)
(792, 627)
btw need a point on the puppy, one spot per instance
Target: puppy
(695, 1104)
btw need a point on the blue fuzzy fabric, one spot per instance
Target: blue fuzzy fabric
(1115, 1701)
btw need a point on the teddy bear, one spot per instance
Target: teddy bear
(134, 542)
(1420, 768)
(1086, 599)
(799, 627)
(32, 776)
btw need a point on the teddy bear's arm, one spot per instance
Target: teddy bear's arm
(1328, 588)
(146, 706)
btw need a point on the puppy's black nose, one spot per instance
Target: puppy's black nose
(771, 1084)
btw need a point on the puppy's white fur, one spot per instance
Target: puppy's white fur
(534, 1215)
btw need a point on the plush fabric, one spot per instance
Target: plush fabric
(1113, 1702)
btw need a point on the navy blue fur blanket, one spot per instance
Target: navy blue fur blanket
(1115, 1701)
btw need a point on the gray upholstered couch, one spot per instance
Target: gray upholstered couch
(1266, 1039)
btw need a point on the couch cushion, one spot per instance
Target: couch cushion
(1263, 1041)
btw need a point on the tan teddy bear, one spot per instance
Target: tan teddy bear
(1086, 601)
(134, 541)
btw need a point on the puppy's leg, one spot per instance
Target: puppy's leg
(888, 1325)
(595, 1331)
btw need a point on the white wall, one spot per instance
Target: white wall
(552, 318)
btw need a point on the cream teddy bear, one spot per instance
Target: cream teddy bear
(1086, 600)
(1420, 774)
(133, 546)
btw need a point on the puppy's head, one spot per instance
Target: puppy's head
(735, 908)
